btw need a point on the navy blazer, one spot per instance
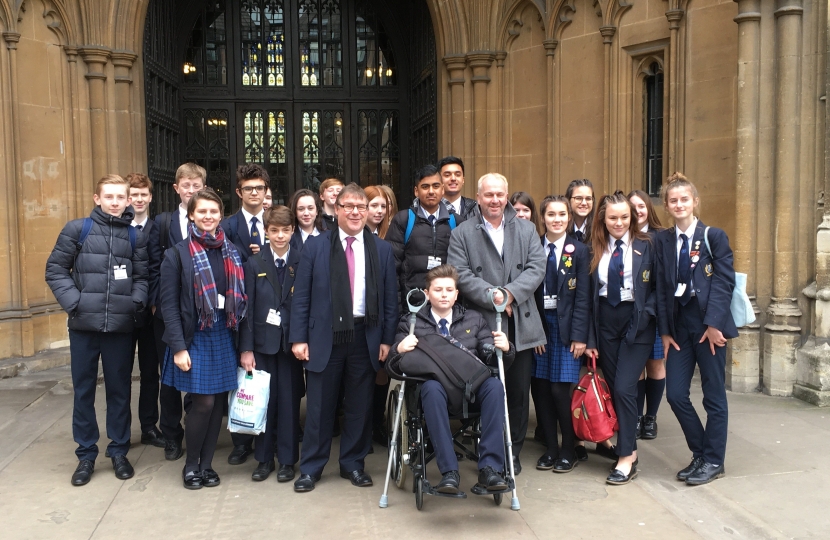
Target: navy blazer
(239, 233)
(311, 308)
(573, 298)
(174, 236)
(713, 280)
(178, 305)
(643, 326)
(265, 293)
(151, 232)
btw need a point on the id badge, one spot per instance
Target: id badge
(221, 303)
(273, 317)
(550, 302)
(626, 295)
(120, 272)
(681, 288)
(432, 262)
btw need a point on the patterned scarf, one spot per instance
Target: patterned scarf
(206, 295)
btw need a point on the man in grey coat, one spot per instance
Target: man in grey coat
(494, 248)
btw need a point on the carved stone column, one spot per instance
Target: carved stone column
(96, 59)
(501, 56)
(674, 16)
(456, 66)
(743, 371)
(550, 51)
(480, 63)
(123, 62)
(74, 166)
(607, 33)
(783, 330)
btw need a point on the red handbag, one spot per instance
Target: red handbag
(594, 418)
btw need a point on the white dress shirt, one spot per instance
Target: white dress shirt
(304, 235)
(427, 214)
(260, 226)
(438, 319)
(284, 258)
(496, 234)
(143, 224)
(582, 228)
(690, 234)
(628, 262)
(455, 204)
(359, 300)
(559, 245)
(183, 221)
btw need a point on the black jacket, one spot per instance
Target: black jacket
(84, 283)
(468, 206)
(151, 233)
(239, 233)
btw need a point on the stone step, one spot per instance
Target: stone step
(12, 367)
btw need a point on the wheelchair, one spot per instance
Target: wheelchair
(413, 451)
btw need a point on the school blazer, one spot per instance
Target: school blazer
(238, 232)
(265, 293)
(573, 296)
(151, 233)
(311, 307)
(643, 326)
(174, 236)
(713, 281)
(178, 305)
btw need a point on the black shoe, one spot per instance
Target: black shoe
(153, 437)
(358, 478)
(449, 483)
(649, 427)
(491, 480)
(121, 466)
(305, 483)
(705, 474)
(239, 455)
(173, 450)
(614, 466)
(617, 478)
(83, 472)
(581, 453)
(210, 478)
(545, 463)
(683, 474)
(606, 452)
(192, 480)
(517, 466)
(638, 431)
(263, 471)
(563, 465)
(286, 473)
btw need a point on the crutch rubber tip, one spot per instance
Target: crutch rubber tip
(384, 501)
(514, 503)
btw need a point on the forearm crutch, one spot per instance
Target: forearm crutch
(413, 314)
(500, 307)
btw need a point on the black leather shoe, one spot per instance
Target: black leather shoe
(617, 478)
(239, 455)
(358, 478)
(286, 473)
(638, 431)
(649, 427)
(563, 465)
(83, 472)
(545, 463)
(449, 483)
(517, 466)
(121, 466)
(581, 453)
(705, 474)
(210, 478)
(173, 450)
(491, 480)
(683, 474)
(192, 480)
(153, 438)
(614, 466)
(606, 452)
(305, 483)
(263, 471)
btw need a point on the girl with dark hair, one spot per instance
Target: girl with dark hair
(308, 214)
(525, 208)
(580, 194)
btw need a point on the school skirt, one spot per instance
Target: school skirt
(212, 362)
(657, 353)
(556, 364)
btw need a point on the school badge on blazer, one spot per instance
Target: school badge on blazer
(708, 270)
(646, 276)
(572, 284)
(291, 273)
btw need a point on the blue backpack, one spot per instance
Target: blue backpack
(88, 227)
(410, 224)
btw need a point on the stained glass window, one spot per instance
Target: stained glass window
(206, 59)
(265, 138)
(263, 43)
(207, 144)
(320, 43)
(375, 61)
(379, 153)
(322, 146)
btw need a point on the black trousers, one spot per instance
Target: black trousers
(116, 354)
(622, 363)
(148, 364)
(283, 424)
(170, 399)
(517, 387)
(351, 363)
(708, 442)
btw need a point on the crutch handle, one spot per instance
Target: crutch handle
(500, 307)
(414, 308)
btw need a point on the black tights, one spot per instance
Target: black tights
(553, 400)
(204, 420)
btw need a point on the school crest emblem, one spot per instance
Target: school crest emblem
(646, 276)
(708, 270)
(572, 284)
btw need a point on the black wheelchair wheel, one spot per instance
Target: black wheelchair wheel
(497, 497)
(419, 493)
(398, 467)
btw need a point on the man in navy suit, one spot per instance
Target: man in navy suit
(342, 325)
(172, 229)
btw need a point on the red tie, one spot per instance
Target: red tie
(350, 262)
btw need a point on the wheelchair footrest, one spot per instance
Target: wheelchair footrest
(429, 490)
(478, 489)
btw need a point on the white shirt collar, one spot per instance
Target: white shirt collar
(142, 224)
(436, 318)
(612, 242)
(559, 244)
(690, 232)
(645, 228)
(248, 216)
(582, 228)
(489, 226)
(344, 235)
(284, 258)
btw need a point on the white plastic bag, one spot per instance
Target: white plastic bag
(248, 404)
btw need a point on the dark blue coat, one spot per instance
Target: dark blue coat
(713, 281)
(311, 307)
(239, 233)
(265, 293)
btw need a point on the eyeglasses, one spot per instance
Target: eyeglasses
(253, 189)
(349, 208)
(581, 200)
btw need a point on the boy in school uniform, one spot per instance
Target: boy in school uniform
(263, 342)
(98, 273)
(329, 190)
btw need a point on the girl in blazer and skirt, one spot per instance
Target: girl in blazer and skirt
(202, 300)
(624, 308)
(694, 289)
(564, 304)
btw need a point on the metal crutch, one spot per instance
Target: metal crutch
(413, 313)
(514, 502)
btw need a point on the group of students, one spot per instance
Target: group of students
(312, 292)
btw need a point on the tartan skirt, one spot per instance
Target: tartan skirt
(212, 362)
(556, 364)
(657, 353)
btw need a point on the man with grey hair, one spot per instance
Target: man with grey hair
(494, 248)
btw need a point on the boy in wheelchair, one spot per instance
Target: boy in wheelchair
(441, 315)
